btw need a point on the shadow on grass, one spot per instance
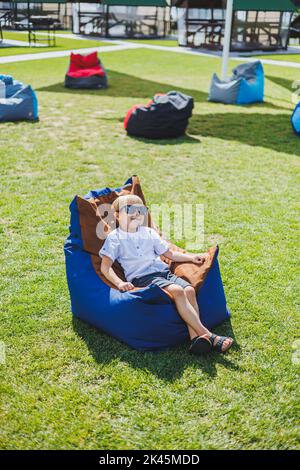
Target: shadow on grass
(283, 82)
(184, 139)
(271, 131)
(124, 85)
(121, 84)
(166, 365)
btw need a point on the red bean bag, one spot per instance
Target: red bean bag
(85, 71)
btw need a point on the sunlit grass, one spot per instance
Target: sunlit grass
(66, 385)
(62, 44)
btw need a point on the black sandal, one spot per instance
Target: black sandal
(200, 346)
(218, 346)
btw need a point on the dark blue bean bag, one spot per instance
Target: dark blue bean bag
(166, 116)
(18, 102)
(295, 119)
(146, 319)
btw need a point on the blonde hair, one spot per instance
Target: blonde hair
(122, 201)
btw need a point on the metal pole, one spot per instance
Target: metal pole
(28, 23)
(107, 33)
(227, 38)
(76, 18)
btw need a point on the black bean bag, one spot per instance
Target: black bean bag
(164, 117)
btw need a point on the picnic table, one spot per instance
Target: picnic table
(35, 23)
(104, 20)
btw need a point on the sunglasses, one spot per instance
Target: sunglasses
(130, 209)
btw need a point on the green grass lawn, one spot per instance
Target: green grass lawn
(281, 57)
(66, 385)
(62, 44)
(156, 42)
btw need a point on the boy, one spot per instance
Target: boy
(138, 249)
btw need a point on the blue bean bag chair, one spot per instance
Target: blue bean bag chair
(245, 86)
(18, 102)
(295, 119)
(146, 319)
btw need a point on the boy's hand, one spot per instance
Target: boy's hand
(200, 258)
(125, 286)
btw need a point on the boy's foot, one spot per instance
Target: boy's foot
(202, 345)
(221, 343)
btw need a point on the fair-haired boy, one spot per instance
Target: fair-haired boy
(138, 249)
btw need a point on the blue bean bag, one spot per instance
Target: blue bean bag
(295, 119)
(18, 102)
(146, 319)
(245, 86)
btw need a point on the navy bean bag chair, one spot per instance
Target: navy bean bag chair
(85, 72)
(146, 319)
(295, 119)
(245, 86)
(18, 102)
(166, 116)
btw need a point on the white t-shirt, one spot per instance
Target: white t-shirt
(137, 252)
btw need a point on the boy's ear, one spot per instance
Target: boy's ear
(116, 215)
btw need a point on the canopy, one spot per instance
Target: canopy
(257, 5)
(198, 3)
(264, 5)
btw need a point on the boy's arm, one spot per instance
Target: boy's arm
(177, 256)
(109, 273)
(161, 248)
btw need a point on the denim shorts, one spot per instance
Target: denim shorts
(160, 278)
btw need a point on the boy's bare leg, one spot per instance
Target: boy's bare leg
(192, 298)
(191, 295)
(187, 311)
(192, 332)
